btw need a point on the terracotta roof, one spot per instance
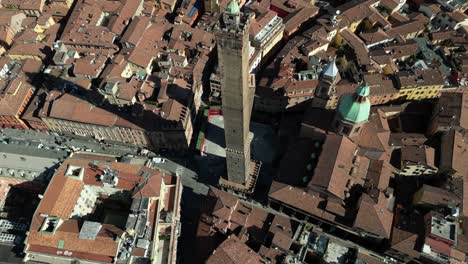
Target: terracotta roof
(25, 4)
(296, 20)
(390, 4)
(458, 16)
(82, 28)
(462, 238)
(63, 192)
(374, 217)
(407, 139)
(453, 110)
(308, 202)
(417, 155)
(397, 17)
(14, 95)
(6, 16)
(149, 44)
(305, 85)
(454, 152)
(411, 26)
(354, 11)
(136, 29)
(289, 6)
(61, 197)
(260, 22)
(374, 37)
(379, 174)
(30, 49)
(121, 17)
(282, 231)
(151, 187)
(405, 242)
(103, 244)
(428, 194)
(400, 50)
(224, 213)
(232, 250)
(406, 80)
(345, 87)
(90, 65)
(78, 255)
(270, 253)
(69, 107)
(433, 7)
(335, 164)
(379, 84)
(444, 34)
(358, 46)
(227, 210)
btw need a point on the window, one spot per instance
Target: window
(74, 171)
(61, 244)
(346, 130)
(50, 224)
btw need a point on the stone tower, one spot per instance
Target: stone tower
(327, 86)
(353, 112)
(237, 90)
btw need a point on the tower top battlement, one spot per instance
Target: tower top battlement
(233, 20)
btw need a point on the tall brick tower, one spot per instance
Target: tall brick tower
(237, 88)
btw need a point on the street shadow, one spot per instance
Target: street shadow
(22, 200)
(195, 245)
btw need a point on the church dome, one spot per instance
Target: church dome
(356, 108)
(233, 8)
(363, 90)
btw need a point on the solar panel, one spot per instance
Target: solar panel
(89, 230)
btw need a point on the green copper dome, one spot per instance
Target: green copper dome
(363, 90)
(354, 110)
(233, 8)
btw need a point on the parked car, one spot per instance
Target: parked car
(159, 160)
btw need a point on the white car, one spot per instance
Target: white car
(159, 160)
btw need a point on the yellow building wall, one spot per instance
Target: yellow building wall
(321, 48)
(353, 26)
(421, 92)
(272, 43)
(406, 92)
(41, 28)
(51, 124)
(387, 69)
(338, 40)
(426, 92)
